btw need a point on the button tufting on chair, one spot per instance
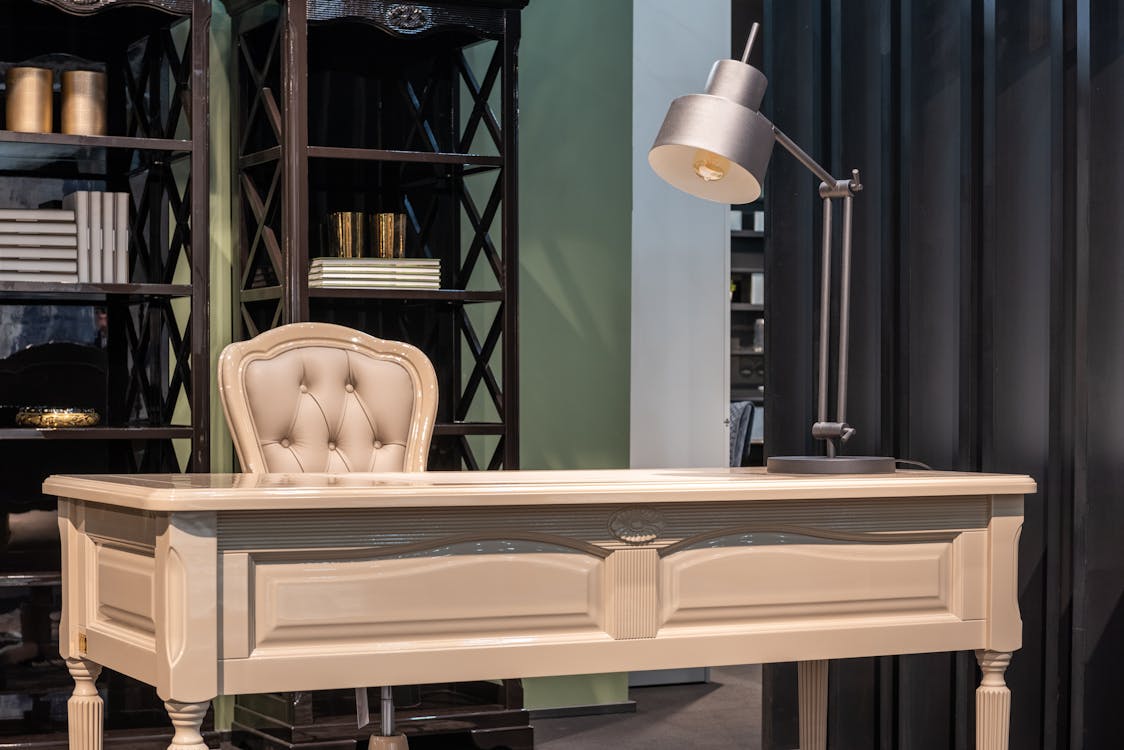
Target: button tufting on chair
(318, 397)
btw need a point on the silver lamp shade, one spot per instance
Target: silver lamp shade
(717, 145)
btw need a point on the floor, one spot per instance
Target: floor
(724, 713)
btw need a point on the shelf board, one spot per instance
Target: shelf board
(264, 156)
(68, 141)
(261, 293)
(80, 156)
(746, 269)
(746, 352)
(747, 233)
(746, 307)
(469, 428)
(426, 295)
(416, 157)
(41, 291)
(95, 433)
(21, 580)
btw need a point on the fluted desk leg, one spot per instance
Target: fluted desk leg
(85, 710)
(812, 682)
(187, 718)
(993, 702)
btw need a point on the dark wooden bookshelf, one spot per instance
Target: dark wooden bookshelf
(143, 359)
(341, 107)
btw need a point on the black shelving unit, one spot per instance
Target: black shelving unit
(146, 370)
(747, 353)
(370, 106)
(418, 123)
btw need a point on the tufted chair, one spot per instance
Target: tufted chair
(316, 397)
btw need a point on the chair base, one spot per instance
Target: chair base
(388, 742)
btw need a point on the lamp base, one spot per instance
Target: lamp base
(834, 465)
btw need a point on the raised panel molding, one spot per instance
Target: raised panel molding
(396, 603)
(124, 589)
(907, 580)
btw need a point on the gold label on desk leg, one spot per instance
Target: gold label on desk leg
(81, 643)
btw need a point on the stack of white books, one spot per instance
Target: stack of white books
(375, 273)
(103, 235)
(38, 245)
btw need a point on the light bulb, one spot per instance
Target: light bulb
(710, 166)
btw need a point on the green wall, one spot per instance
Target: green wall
(575, 162)
(575, 216)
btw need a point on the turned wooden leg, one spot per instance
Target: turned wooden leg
(187, 718)
(993, 701)
(84, 710)
(812, 682)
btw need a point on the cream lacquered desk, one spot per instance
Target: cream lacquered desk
(203, 585)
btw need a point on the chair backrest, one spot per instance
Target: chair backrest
(316, 397)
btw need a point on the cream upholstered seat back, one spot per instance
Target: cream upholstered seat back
(316, 397)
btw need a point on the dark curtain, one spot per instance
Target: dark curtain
(988, 320)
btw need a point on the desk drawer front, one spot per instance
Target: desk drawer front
(756, 585)
(400, 603)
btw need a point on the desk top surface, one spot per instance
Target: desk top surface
(248, 492)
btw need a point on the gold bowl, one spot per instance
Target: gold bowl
(50, 416)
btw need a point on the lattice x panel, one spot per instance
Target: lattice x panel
(145, 457)
(261, 259)
(158, 84)
(479, 74)
(160, 236)
(157, 333)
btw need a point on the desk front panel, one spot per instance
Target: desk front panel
(349, 597)
(487, 593)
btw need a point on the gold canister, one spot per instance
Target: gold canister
(83, 102)
(347, 235)
(390, 235)
(29, 100)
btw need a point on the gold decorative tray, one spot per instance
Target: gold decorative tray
(49, 416)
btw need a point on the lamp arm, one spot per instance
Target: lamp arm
(831, 187)
(803, 157)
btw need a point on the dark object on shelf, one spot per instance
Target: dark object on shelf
(8, 414)
(741, 425)
(53, 417)
(348, 234)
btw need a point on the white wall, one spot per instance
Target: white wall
(680, 253)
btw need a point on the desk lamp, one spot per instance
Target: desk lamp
(716, 146)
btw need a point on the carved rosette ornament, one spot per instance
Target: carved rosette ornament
(636, 525)
(407, 18)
